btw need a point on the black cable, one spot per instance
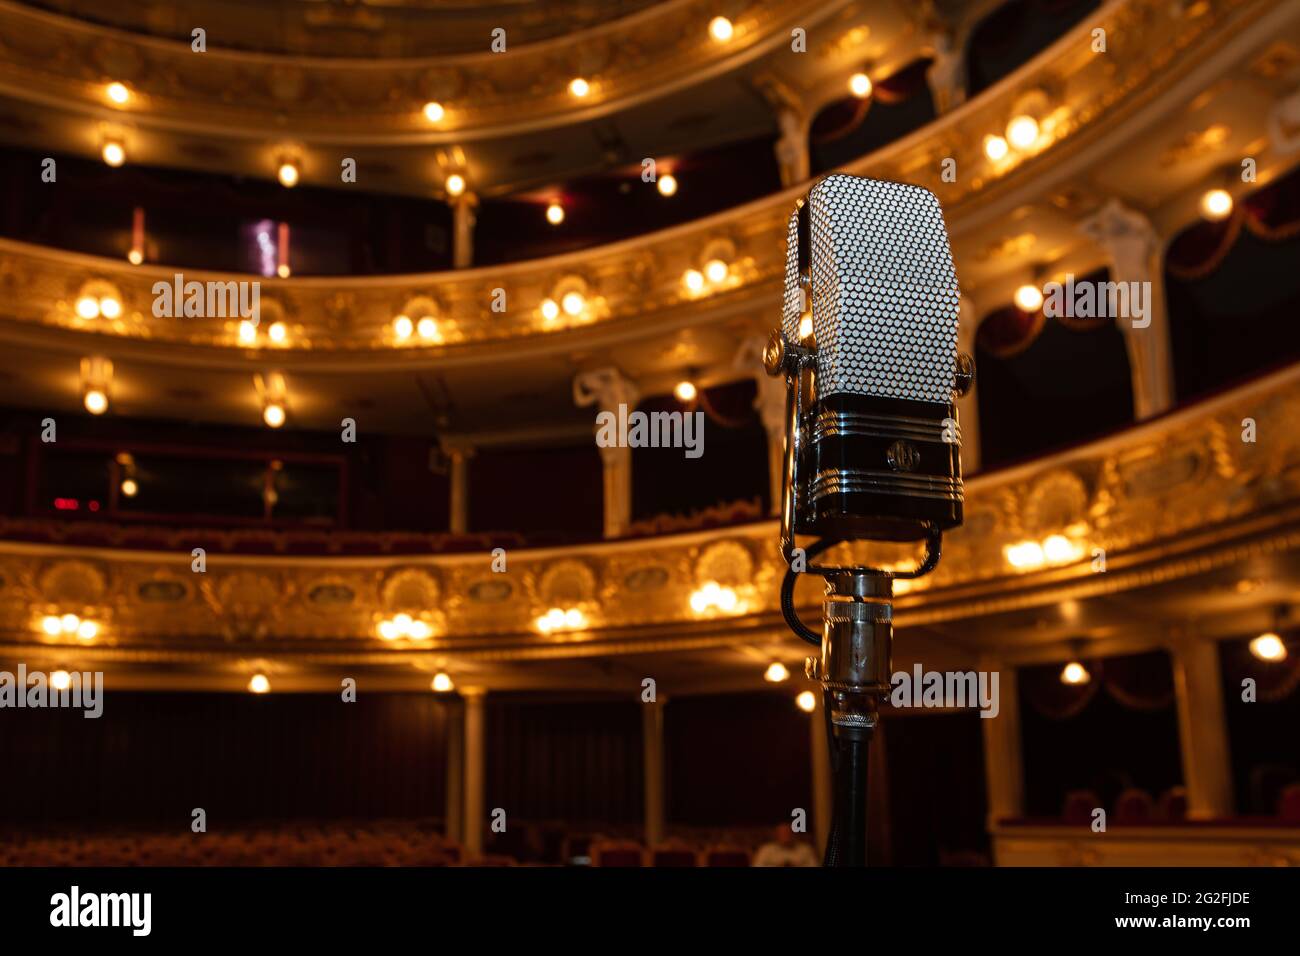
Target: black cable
(791, 578)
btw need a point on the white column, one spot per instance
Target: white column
(968, 406)
(459, 457)
(455, 783)
(463, 217)
(1133, 250)
(792, 155)
(769, 399)
(821, 776)
(1004, 772)
(608, 389)
(652, 740)
(1202, 731)
(947, 72)
(474, 770)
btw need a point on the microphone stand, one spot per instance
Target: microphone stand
(856, 641)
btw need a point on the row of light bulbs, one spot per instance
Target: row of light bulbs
(259, 683)
(97, 377)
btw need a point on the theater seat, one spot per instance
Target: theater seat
(726, 856)
(1172, 806)
(622, 853)
(1133, 806)
(1288, 804)
(674, 853)
(1078, 807)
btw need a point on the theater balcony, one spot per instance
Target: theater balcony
(389, 475)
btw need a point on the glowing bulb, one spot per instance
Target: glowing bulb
(1216, 204)
(109, 307)
(550, 311)
(1028, 298)
(247, 332)
(694, 279)
(726, 599)
(555, 214)
(1075, 673)
(1027, 554)
(442, 683)
(434, 112)
(273, 415)
(715, 270)
(51, 625)
(288, 175)
(87, 630)
(135, 257)
(282, 270)
(69, 623)
(667, 184)
(807, 702)
(720, 29)
(427, 328)
(129, 487)
(419, 631)
(685, 391)
(118, 93)
(805, 328)
(259, 684)
(776, 672)
(1268, 647)
(573, 618)
(60, 680)
(114, 154)
(88, 307)
(579, 87)
(96, 402)
(1057, 547)
(1022, 131)
(403, 327)
(278, 332)
(573, 303)
(388, 630)
(455, 184)
(860, 85)
(995, 147)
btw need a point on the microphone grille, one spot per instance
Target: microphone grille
(884, 291)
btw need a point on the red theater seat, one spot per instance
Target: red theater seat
(1133, 807)
(1288, 804)
(617, 853)
(726, 856)
(1078, 808)
(674, 853)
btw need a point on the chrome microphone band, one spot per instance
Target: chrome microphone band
(830, 423)
(857, 612)
(850, 480)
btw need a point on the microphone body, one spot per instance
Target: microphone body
(869, 263)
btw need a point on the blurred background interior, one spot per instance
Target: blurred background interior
(603, 205)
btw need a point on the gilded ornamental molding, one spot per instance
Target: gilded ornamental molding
(1171, 498)
(638, 284)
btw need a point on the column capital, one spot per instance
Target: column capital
(606, 388)
(1126, 234)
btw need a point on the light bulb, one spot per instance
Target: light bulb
(667, 184)
(129, 487)
(807, 702)
(403, 327)
(1029, 298)
(278, 332)
(555, 214)
(685, 391)
(273, 415)
(109, 307)
(715, 270)
(259, 684)
(579, 87)
(995, 147)
(694, 279)
(87, 630)
(69, 623)
(720, 29)
(1022, 131)
(776, 672)
(60, 680)
(96, 402)
(135, 257)
(442, 683)
(114, 153)
(51, 625)
(1268, 647)
(117, 92)
(550, 311)
(434, 112)
(573, 303)
(1216, 204)
(247, 332)
(860, 85)
(88, 307)
(288, 175)
(455, 184)
(1075, 673)
(1057, 548)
